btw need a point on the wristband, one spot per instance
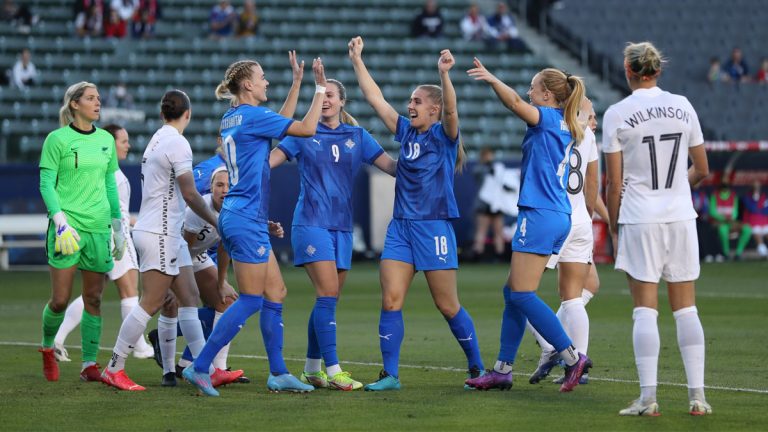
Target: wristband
(319, 89)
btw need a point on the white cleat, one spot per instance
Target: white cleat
(60, 353)
(144, 352)
(699, 408)
(637, 408)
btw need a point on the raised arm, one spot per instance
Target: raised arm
(450, 117)
(289, 107)
(368, 86)
(308, 125)
(507, 95)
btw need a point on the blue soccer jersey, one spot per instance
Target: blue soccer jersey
(247, 132)
(424, 180)
(203, 171)
(544, 169)
(328, 164)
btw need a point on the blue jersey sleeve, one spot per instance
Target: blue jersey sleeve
(291, 146)
(439, 133)
(403, 124)
(267, 123)
(549, 118)
(371, 149)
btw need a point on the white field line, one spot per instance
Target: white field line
(441, 368)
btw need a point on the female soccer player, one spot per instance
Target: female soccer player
(78, 236)
(420, 236)
(651, 212)
(322, 223)
(247, 130)
(125, 273)
(168, 186)
(544, 218)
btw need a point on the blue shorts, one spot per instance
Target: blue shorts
(312, 244)
(426, 244)
(540, 231)
(244, 239)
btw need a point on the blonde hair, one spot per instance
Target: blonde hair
(643, 60)
(236, 73)
(435, 93)
(344, 116)
(568, 91)
(73, 94)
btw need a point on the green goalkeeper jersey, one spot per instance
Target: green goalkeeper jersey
(84, 163)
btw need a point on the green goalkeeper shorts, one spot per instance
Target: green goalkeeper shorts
(95, 252)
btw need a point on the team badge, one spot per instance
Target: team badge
(311, 250)
(261, 251)
(350, 144)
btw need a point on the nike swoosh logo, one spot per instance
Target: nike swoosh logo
(170, 340)
(386, 337)
(333, 323)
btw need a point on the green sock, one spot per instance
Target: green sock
(746, 234)
(724, 230)
(90, 331)
(51, 323)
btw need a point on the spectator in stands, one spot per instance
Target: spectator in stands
(24, 72)
(248, 21)
(89, 17)
(474, 26)
(119, 97)
(756, 216)
(502, 29)
(715, 73)
(736, 67)
(145, 18)
(724, 211)
(222, 20)
(428, 23)
(488, 174)
(762, 73)
(20, 16)
(120, 11)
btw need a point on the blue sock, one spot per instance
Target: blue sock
(541, 318)
(272, 331)
(391, 332)
(463, 329)
(325, 328)
(227, 328)
(206, 315)
(313, 348)
(512, 329)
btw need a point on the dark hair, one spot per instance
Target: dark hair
(112, 128)
(174, 104)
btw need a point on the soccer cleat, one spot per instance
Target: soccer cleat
(343, 381)
(222, 377)
(699, 408)
(573, 373)
(474, 372)
(638, 408)
(242, 379)
(287, 383)
(169, 380)
(147, 352)
(155, 341)
(491, 379)
(547, 362)
(60, 352)
(317, 379)
(179, 371)
(120, 381)
(50, 367)
(583, 380)
(91, 373)
(385, 382)
(200, 380)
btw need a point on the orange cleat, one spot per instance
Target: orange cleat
(50, 367)
(221, 377)
(120, 381)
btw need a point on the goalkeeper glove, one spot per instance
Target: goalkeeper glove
(118, 239)
(66, 236)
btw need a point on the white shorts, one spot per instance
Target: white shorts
(669, 251)
(760, 230)
(159, 252)
(577, 248)
(201, 262)
(129, 262)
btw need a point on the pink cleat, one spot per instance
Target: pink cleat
(491, 379)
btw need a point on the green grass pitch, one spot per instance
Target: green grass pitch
(732, 302)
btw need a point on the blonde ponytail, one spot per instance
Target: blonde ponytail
(572, 105)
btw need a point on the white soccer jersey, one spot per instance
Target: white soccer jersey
(167, 156)
(124, 192)
(206, 234)
(581, 156)
(654, 129)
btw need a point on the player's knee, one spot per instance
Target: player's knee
(276, 295)
(57, 305)
(448, 310)
(92, 301)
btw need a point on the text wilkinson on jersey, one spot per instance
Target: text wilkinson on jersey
(657, 113)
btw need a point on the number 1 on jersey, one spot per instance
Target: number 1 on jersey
(676, 137)
(441, 245)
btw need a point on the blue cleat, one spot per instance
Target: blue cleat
(546, 363)
(474, 372)
(200, 380)
(385, 382)
(287, 383)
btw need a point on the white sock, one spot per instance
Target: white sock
(72, 317)
(166, 335)
(645, 339)
(333, 370)
(313, 365)
(576, 323)
(586, 295)
(192, 331)
(502, 367)
(545, 346)
(126, 306)
(133, 326)
(690, 339)
(184, 363)
(220, 361)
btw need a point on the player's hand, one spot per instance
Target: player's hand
(319, 70)
(66, 236)
(227, 293)
(446, 61)
(355, 46)
(480, 73)
(276, 230)
(118, 239)
(298, 68)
